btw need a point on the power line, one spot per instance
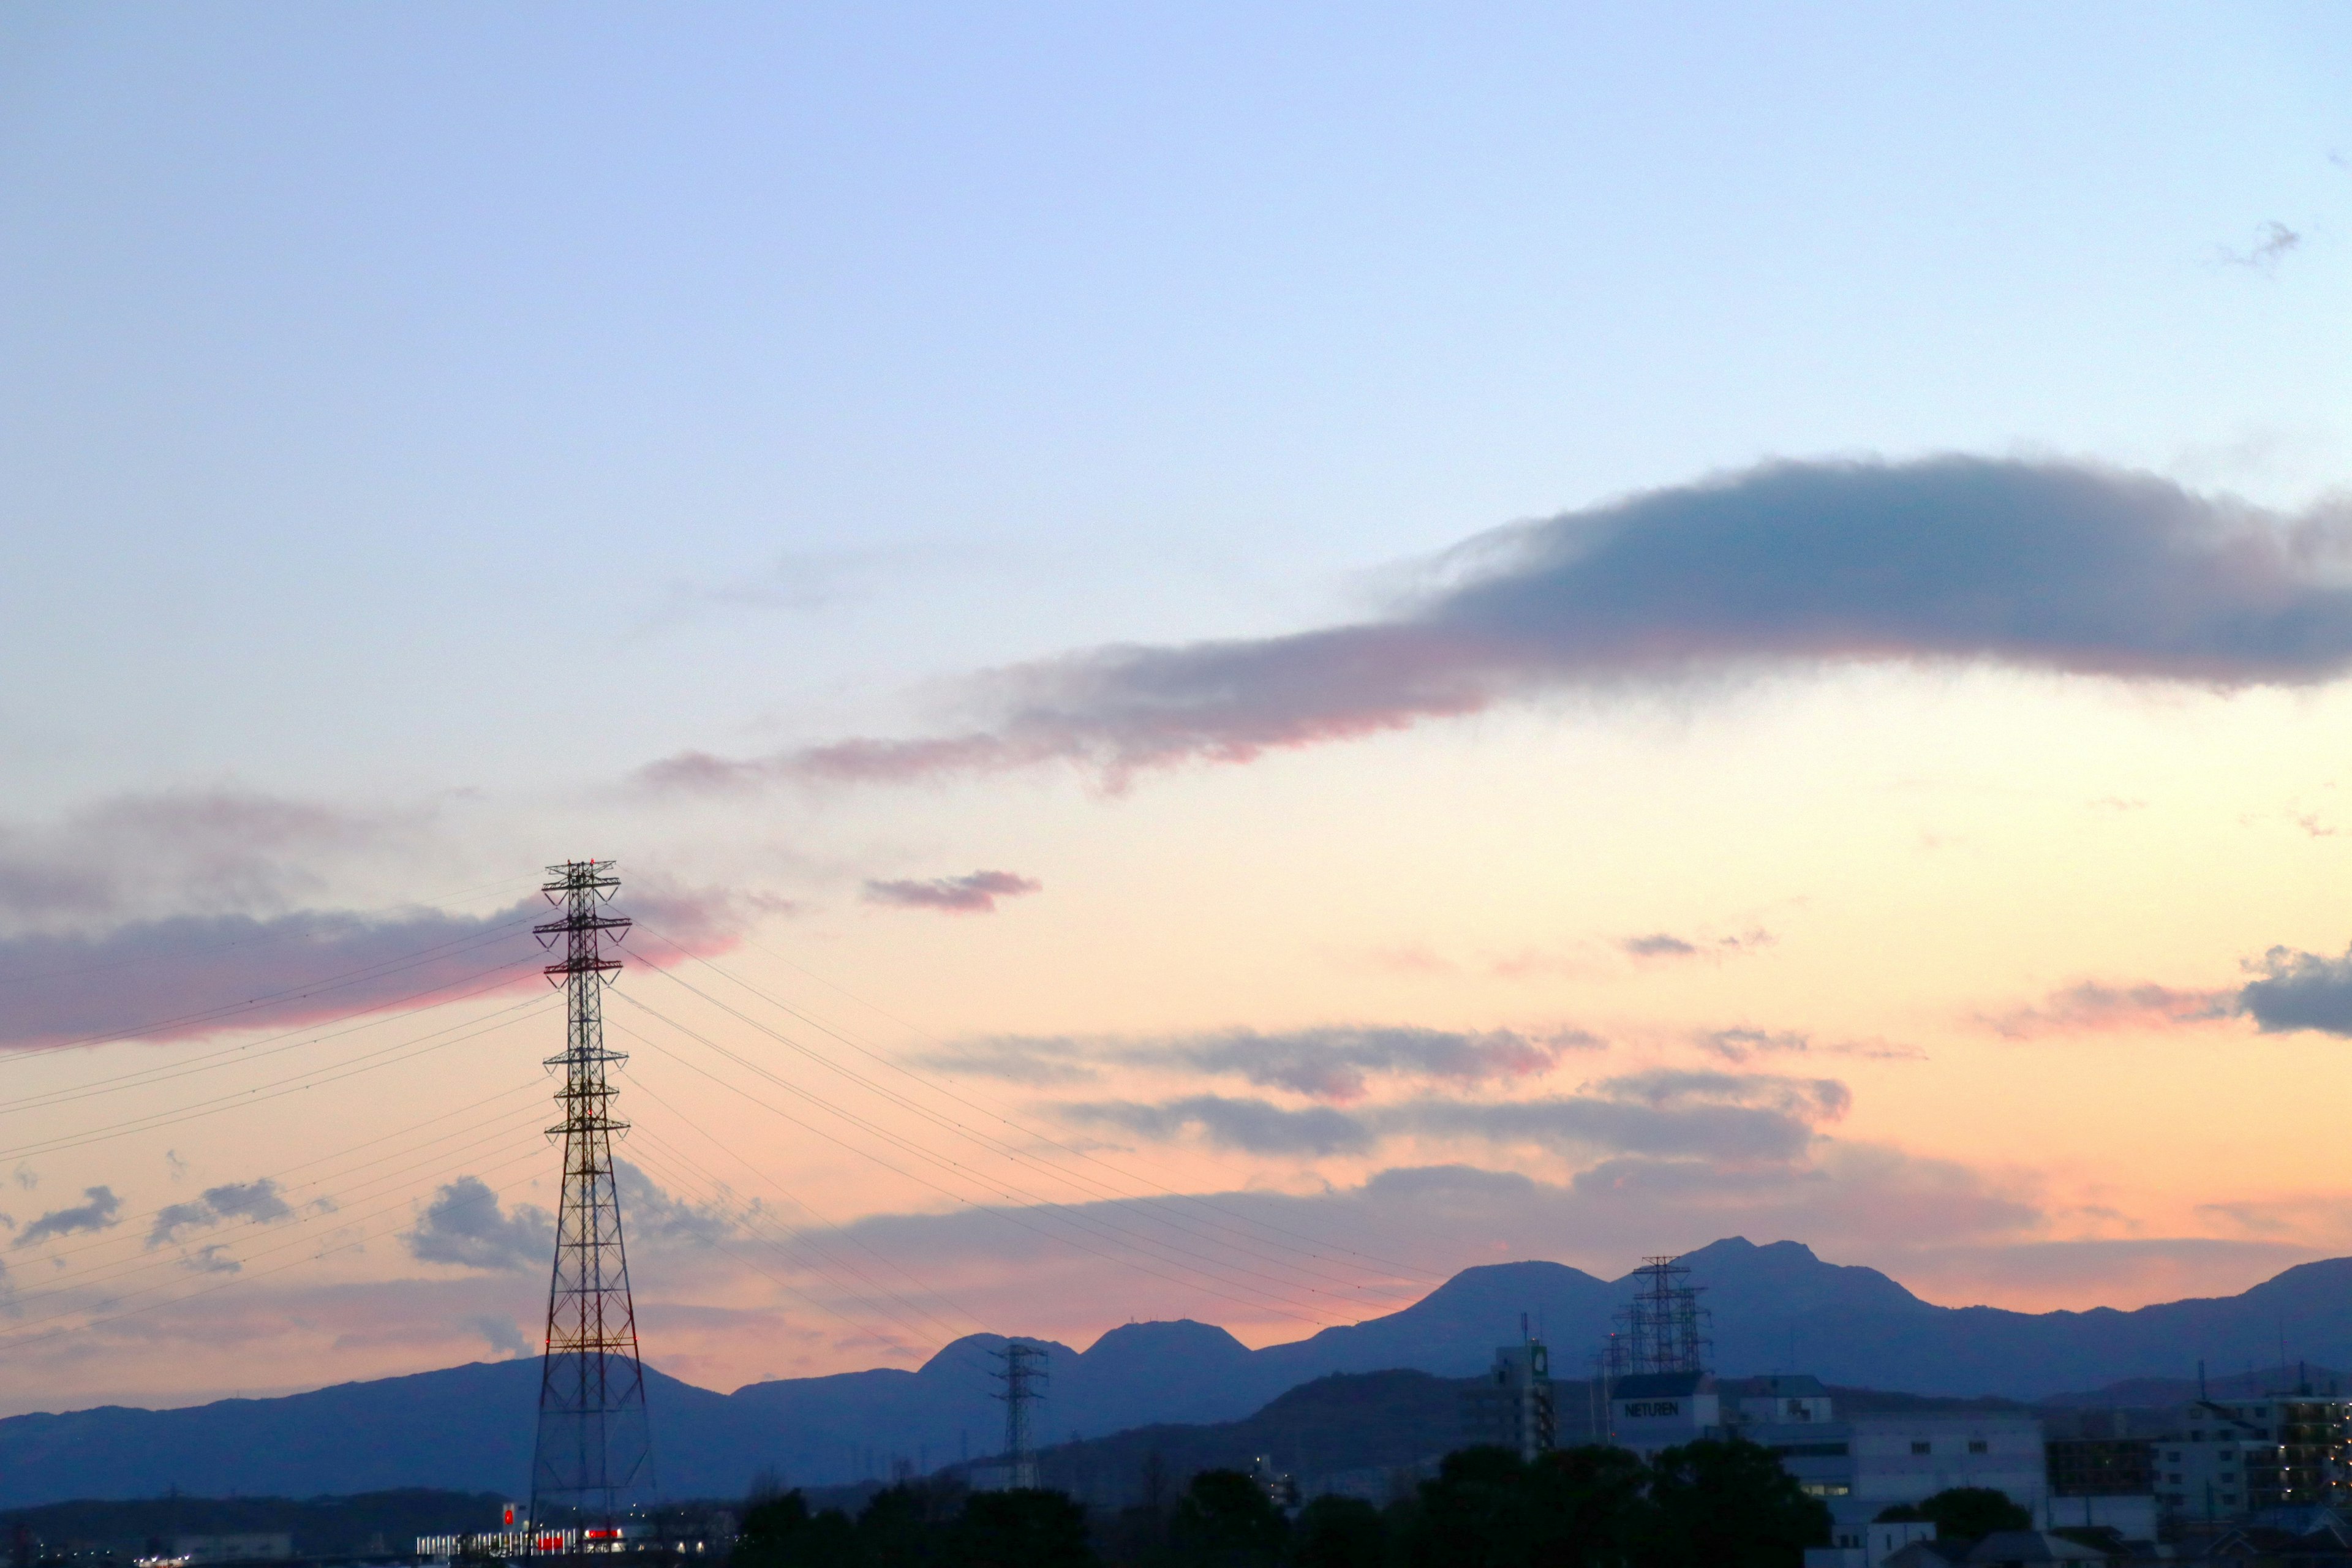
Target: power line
(265, 938)
(9, 1346)
(990, 1144)
(142, 1078)
(1011, 1215)
(274, 1177)
(822, 1263)
(1409, 1271)
(297, 993)
(139, 1264)
(280, 1088)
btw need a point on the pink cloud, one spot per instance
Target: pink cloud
(190, 975)
(2091, 1008)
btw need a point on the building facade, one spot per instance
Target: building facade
(1511, 1407)
(2235, 1458)
(1858, 1465)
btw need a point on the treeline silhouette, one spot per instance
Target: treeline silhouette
(1709, 1504)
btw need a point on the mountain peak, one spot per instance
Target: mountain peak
(1182, 1336)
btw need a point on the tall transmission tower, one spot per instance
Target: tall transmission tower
(1023, 1377)
(595, 1448)
(1663, 1324)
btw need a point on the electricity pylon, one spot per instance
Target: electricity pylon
(1024, 1378)
(594, 1448)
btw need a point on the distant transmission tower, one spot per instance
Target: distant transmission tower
(1023, 1377)
(1663, 1321)
(594, 1446)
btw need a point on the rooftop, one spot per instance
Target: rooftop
(1663, 1386)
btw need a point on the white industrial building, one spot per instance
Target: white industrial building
(1858, 1465)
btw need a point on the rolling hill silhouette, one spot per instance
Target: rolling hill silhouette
(1776, 1308)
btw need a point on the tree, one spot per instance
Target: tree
(1477, 1513)
(780, 1532)
(1025, 1529)
(907, 1526)
(1728, 1504)
(1340, 1533)
(1224, 1520)
(1965, 1513)
(1591, 1506)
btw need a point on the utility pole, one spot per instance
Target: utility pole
(594, 1447)
(1023, 1377)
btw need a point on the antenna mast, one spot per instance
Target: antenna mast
(594, 1446)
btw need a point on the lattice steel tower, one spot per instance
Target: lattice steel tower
(1024, 1378)
(1664, 1322)
(594, 1452)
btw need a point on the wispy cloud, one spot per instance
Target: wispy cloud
(973, 894)
(2034, 565)
(2274, 242)
(99, 1211)
(1744, 1044)
(2290, 990)
(1812, 1098)
(1254, 1126)
(1739, 1044)
(2091, 1008)
(260, 1201)
(1337, 1062)
(1668, 947)
(135, 856)
(1658, 944)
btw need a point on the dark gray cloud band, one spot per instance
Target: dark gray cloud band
(187, 975)
(1735, 1117)
(1336, 1062)
(973, 894)
(2035, 565)
(191, 974)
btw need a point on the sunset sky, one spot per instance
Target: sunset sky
(1235, 657)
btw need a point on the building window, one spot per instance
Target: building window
(1918, 1446)
(1977, 1446)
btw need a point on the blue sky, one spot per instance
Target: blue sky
(397, 340)
(416, 422)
